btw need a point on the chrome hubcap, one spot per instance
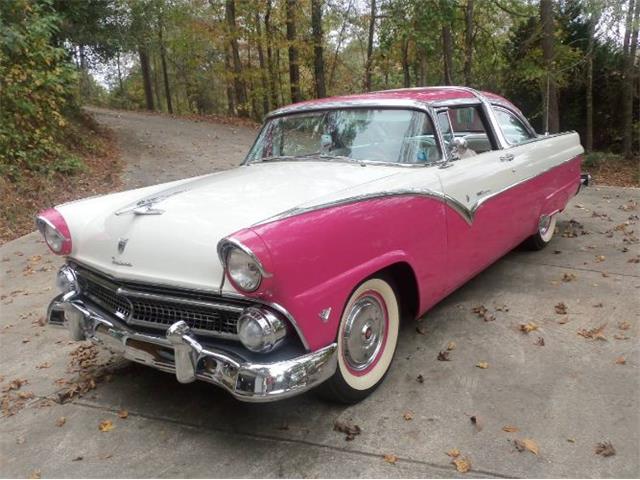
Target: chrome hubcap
(543, 224)
(364, 332)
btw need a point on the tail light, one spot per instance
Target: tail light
(55, 231)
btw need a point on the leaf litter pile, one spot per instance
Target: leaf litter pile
(348, 428)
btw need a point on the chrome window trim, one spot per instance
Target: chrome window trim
(380, 104)
(217, 292)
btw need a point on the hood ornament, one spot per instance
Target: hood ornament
(145, 206)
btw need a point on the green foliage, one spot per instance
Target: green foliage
(37, 86)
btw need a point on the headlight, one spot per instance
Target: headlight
(66, 280)
(260, 330)
(55, 231)
(243, 269)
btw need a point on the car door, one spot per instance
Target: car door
(481, 219)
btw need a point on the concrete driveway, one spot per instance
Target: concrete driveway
(557, 388)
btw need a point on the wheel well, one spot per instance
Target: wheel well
(406, 286)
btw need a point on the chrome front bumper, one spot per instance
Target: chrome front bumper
(179, 352)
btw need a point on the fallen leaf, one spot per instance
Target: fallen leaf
(528, 327)
(568, 277)
(618, 336)
(482, 365)
(25, 395)
(477, 422)
(527, 444)
(123, 414)
(593, 333)
(571, 440)
(390, 458)
(502, 308)
(624, 325)
(482, 312)
(620, 361)
(106, 426)
(347, 428)
(510, 428)
(61, 421)
(20, 440)
(443, 356)
(420, 378)
(463, 465)
(36, 474)
(454, 453)
(605, 449)
(600, 258)
(451, 346)
(598, 305)
(408, 415)
(561, 308)
(540, 342)
(421, 330)
(43, 365)
(77, 459)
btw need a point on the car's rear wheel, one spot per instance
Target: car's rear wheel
(367, 339)
(546, 228)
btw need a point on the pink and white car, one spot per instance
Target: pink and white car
(296, 268)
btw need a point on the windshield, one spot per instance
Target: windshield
(382, 135)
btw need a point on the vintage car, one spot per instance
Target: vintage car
(295, 269)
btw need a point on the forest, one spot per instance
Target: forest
(568, 64)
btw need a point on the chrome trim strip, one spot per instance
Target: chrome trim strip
(246, 381)
(468, 214)
(227, 243)
(185, 301)
(42, 220)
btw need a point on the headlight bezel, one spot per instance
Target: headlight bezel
(55, 231)
(227, 247)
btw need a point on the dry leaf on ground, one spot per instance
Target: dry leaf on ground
(600, 258)
(482, 312)
(35, 474)
(482, 365)
(620, 361)
(123, 414)
(61, 421)
(43, 365)
(527, 444)
(422, 330)
(510, 428)
(540, 342)
(390, 458)
(443, 356)
(605, 449)
(451, 346)
(528, 327)
(106, 426)
(477, 421)
(408, 415)
(624, 325)
(420, 378)
(561, 308)
(568, 277)
(596, 333)
(347, 428)
(619, 336)
(454, 453)
(463, 465)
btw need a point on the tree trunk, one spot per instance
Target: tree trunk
(238, 84)
(593, 20)
(628, 28)
(119, 73)
(294, 68)
(146, 76)
(263, 68)
(406, 73)
(468, 43)
(231, 100)
(447, 53)
(552, 118)
(368, 65)
(339, 45)
(629, 80)
(273, 78)
(318, 58)
(165, 74)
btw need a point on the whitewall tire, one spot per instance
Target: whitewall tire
(546, 229)
(367, 339)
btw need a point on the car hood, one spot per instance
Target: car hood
(175, 244)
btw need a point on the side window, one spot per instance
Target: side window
(469, 124)
(512, 128)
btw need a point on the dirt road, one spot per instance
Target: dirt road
(159, 148)
(553, 386)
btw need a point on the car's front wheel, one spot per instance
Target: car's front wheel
(367, 340)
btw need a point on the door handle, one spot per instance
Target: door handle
(507, 157)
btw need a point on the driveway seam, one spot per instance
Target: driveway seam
(258, 436)
(573, 268)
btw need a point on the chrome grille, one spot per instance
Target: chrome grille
(158, 309)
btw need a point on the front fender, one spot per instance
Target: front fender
(319, 257)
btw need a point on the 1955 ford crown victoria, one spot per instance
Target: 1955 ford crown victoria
(294, 269)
